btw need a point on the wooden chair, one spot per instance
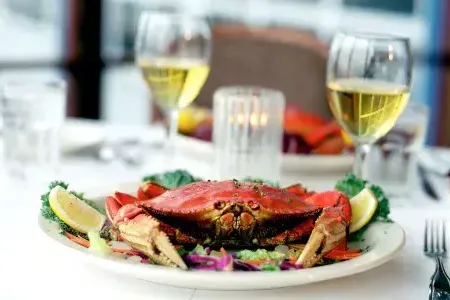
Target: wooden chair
(288, 60)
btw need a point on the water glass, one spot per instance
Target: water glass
(33, 112)
(248, 132)
(392, 161)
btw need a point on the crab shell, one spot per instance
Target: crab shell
(233, 213)
(230, 212)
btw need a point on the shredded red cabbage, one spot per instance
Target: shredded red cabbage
(242, 266)
(227, 263)
(201, 260)
(142, 255)
(192, 259)
(204, 262)
(286, 265)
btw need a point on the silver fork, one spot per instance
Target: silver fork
(435, 246)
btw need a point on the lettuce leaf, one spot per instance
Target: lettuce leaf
(172, 179)
(177, 178)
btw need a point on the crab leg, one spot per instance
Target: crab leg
(149, 190)
(299, 231)
(299, 190)
(143, 232)
(330, 229)
(291, 235)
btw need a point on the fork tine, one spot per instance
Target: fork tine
(438, 237)
(437, 229)
(425, 242)
(444, 236)
(433, 236)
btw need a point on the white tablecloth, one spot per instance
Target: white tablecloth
(31, 268)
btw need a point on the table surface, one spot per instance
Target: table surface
(31, 267)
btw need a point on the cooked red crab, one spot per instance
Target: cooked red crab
(230, 213)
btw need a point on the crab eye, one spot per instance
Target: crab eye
(219, 205)
(253, 205)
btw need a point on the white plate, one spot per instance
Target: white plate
(290, 162)
(80, 133)
(384, 240)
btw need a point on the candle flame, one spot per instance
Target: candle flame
(254, 119)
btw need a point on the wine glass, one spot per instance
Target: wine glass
(368, 82)
(173, 52)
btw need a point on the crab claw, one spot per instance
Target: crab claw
(112, 206)
(299, 190)
(149, 190)
(142, 232)
(330, 229)
(124, 198)
(144, 235)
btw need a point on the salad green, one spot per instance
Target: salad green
(172, 179)
(260, 254)
(98, 245)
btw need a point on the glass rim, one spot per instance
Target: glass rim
(179, 15)
(361, 34)
(20, 87)
(14, 81)
(233, 90)
(417, 107)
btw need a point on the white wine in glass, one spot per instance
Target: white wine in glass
(173, 52)
(174, 83)
(367, 110)
(368, 81)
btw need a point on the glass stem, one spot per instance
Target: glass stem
(359, 165)
(172, 130)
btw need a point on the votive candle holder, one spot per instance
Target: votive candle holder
(248, 132)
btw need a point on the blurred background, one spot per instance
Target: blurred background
(91, 43)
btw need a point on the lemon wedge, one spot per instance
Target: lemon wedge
(190, 117)
(74, 212)
(347, 139)
(363, 205)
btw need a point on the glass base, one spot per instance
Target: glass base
(394, 170)
(260, 166)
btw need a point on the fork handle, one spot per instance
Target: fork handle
(439, 286)
(436, 294)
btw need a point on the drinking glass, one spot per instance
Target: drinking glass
(33, 112)
(368, 81)
(248, 133)
(173, 52)
(393, 159)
